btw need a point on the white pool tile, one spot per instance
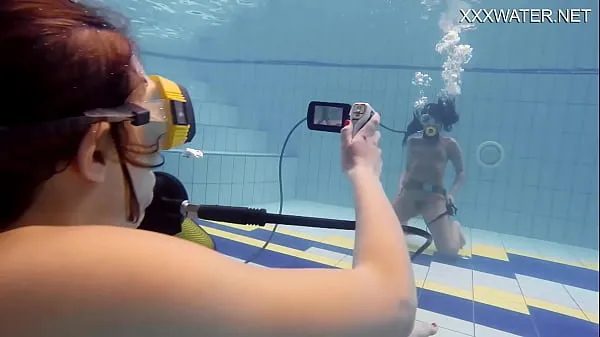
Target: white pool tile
(547, 291)
(446, 322)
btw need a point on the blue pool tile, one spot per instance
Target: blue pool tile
(505, 320)
(446, 305)
(550, 324)
(556, 272)
(492, 266)
(266, 258)
(462, 262)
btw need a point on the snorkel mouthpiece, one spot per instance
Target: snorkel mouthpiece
(430, 132)
(430, 129)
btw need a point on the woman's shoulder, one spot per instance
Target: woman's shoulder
(33, 238)
(56, 253)
(43, 249)
(80, 273)
(449, 141)
(57, 244)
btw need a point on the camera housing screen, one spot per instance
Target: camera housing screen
(327, 116)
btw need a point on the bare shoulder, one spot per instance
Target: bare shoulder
(449, 140)
(451, 144)
(110, 281)
(73, 277)
(50, 250)
(58, 244)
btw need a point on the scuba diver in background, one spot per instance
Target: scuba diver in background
(422, 189)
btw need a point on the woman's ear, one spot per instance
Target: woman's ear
(92, 155)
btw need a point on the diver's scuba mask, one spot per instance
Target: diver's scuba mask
(171, 109)
(166, 113)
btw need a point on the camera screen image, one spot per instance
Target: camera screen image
(328, 115)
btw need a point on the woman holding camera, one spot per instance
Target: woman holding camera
(72, 262)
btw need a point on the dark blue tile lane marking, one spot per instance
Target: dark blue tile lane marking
(292, 241)
(492, 266)
(267, 258)
(509, 321)
(279, 238)
(550, 324)
(478, 313)
(447, 305)
(546, 270)
(460, 262)
(555, 272)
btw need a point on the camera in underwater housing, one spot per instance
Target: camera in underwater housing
(327, 116)
(331, 116)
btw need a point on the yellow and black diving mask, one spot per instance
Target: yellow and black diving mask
(166, 113)
(171, 112)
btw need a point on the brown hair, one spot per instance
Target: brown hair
(62, 58)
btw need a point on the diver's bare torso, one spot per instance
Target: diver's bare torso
(427, 160)
(422, 189)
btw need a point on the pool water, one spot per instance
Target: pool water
(527, 99)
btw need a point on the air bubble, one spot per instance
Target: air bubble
(421, 81)
(429, 5)
(457, 55)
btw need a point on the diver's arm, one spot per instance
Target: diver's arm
(136, 283)
(455, 156)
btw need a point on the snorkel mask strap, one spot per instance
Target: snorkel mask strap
(133, 204)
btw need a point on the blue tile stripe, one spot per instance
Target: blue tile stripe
(546, 270)
(550, 324)
(555, 272)
(540, 323)
(278, 238)
(267, 258)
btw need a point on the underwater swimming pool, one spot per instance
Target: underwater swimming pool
(526, 95)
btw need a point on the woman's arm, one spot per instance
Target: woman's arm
(95, 280)
(456, 158)
(380, 244)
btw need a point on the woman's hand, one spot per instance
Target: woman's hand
(362, 152)
(450, 199)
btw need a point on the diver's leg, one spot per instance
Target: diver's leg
(422, 329)
(446, 232)
(405, 206)
(461, 236)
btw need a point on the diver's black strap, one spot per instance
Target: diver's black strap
(417, 185)
(450, 211)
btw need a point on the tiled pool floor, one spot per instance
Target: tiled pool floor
(503, 286)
